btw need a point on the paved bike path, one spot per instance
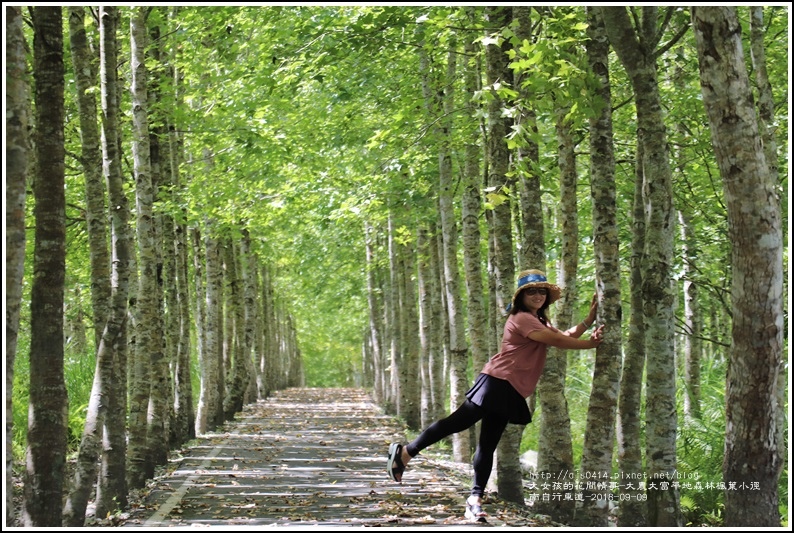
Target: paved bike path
(308, 457)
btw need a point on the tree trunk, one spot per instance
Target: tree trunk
(267, 361)
(692, 344)
(172, 327)
(375, 316)
(184, 414)
(148, 407)
(46, 436)
(555, 446)
(91, 158)
(199, 275)
(766, 101)
(599, 440)
(427, 348)
(495, 315)
(439, 98)
(471, 211)
(227, 319)
(112, 485)
(437, 366)
(508, 471)
(91, 162)
(161, 403)
(766, 121)
(250, 274)
(237, 382)
(163, 186)
(498, 165)
(263, 346)
(393, 320)
(16, 156)
(751, 466)
(632, 511)
(555, 424)
(259, 331)
(532, 252)
(409, 322)
(458, 349)
(212, 380)
(635, 49)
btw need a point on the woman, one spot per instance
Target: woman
(499, 393)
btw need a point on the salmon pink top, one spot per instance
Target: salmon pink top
(521, 360)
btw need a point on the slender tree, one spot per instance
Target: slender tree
(375, 332)
(17, 153)
(629, 421)
(637, 50)
(267, 356)
(184, 413)
(210, 407)
(237, 382)
(393, 317)
(437, 363)
(86, 77)
(427, 347)
(229, 299)
(766, 100)
(250, 315)
(691, 345)
(599, 442)
(692, 348)
(46, 437)
(96, 215)
(161, 143)
(201, 421)
(438, 97)
(471, 209)
(752, 461)
(508, 473)
(112, 487)
(149, 386)
(766, 126)
(410, 393)
(161, 402)
(555, 443)
(532, 244)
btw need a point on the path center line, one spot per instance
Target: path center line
(157, 518)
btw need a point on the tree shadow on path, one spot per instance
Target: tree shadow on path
(308, 457)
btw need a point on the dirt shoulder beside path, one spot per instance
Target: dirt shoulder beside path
(308, 457)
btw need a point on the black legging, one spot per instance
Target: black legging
(463, 418)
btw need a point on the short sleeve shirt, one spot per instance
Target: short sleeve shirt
(520, 360)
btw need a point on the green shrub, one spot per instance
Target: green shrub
(78, 376)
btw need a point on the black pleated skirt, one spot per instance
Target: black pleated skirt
(499, 396)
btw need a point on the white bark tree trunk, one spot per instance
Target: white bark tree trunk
(751, 447)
